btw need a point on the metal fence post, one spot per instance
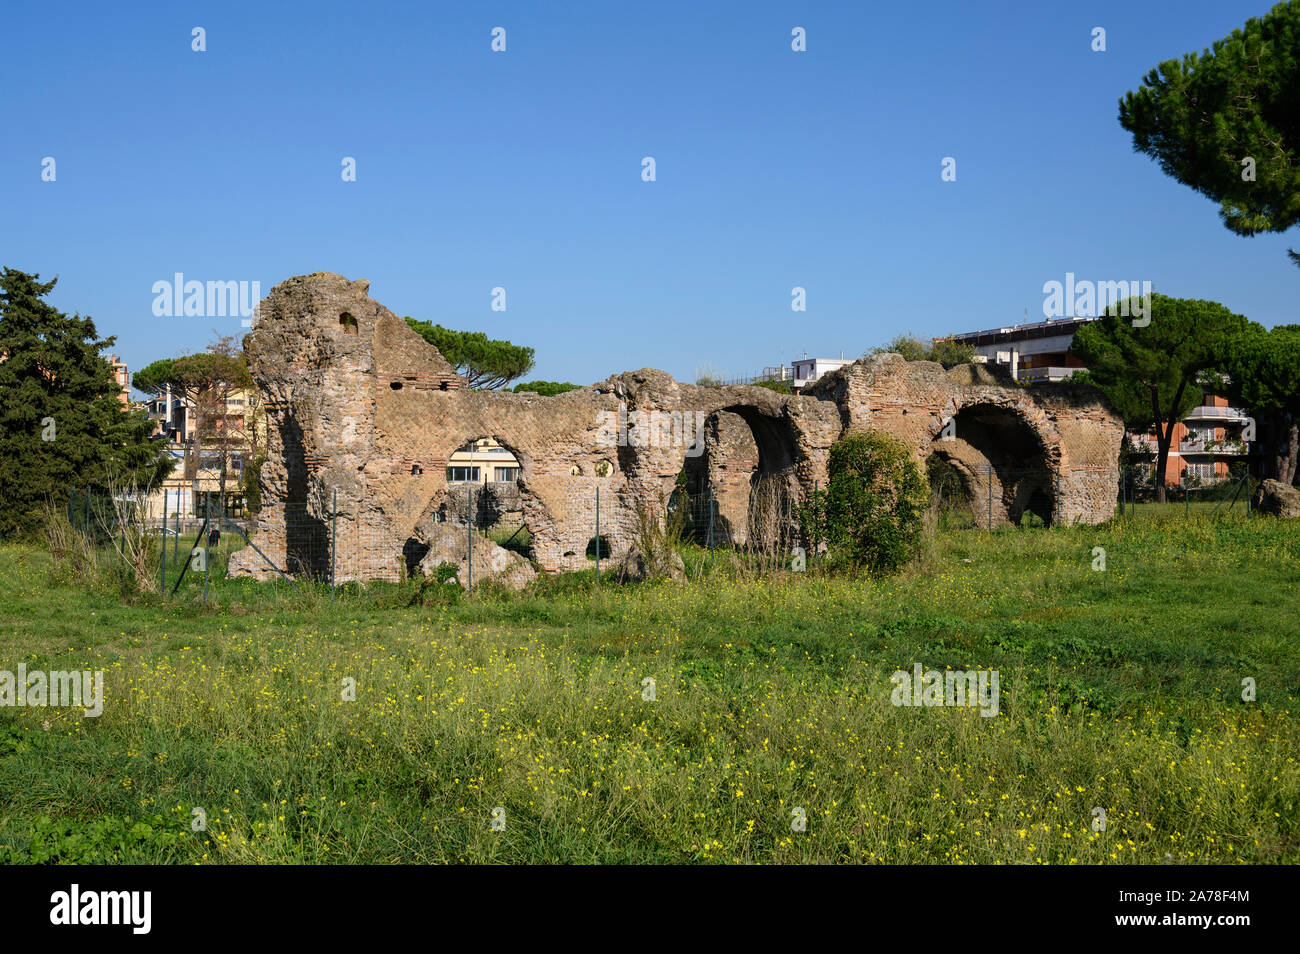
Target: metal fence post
(207, 508)
(469, 542)
(708, 502)
(162, 552)
(597, 534)
(334, 539)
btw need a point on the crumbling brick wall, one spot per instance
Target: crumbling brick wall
(363, 410)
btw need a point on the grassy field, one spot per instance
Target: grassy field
(1121, 690)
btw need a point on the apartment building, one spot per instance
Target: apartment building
(1038, 351)
(122, 375)
(234, 436)
(480, 462)
(1204, 444)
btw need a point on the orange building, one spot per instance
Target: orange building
(1204, 443)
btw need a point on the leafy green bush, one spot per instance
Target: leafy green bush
(545, 388)
(876, 499)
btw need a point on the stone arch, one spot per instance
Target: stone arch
(743, 484)
(1010, 462)
(449, 500)
(493, 496)
(953, 483)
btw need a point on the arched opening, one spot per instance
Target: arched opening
(739, 486)
(483, 494)
(1007, 469)
(951, 491)
(487, 472)
(348, 323)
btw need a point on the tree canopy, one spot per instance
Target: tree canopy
(1150, 373)
(1261, 371)
(486, 363)
(206, 381)
(193, 373)
(1226, 122)
(62, 421)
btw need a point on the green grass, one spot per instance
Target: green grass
(1120, 690)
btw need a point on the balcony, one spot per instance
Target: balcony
(1203, 413)
(1051, 373)
(1224, 447)
(1143, 443)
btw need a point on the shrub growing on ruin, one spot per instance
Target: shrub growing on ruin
(876, 499)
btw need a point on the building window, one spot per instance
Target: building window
(507, 473)
(461, 475)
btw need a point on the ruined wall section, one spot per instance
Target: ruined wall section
(361, 405)
(1075, 434)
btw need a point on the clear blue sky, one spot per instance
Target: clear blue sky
(523, 169)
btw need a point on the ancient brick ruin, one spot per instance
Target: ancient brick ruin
(360, 407)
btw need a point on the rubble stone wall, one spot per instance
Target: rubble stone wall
(362, 409)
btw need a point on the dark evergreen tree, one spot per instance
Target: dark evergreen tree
(1150, 373)
(1226, 122)
(62, 422)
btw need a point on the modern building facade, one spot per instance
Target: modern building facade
(482, 461)
(807, 370)
(1039, 351)
(234, 436)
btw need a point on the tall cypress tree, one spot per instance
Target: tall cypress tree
(62, 424)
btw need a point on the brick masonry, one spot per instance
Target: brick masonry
(362, 406)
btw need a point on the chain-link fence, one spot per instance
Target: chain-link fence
(153, 542)
(326, 548)
(989, 497)
(1225, 490)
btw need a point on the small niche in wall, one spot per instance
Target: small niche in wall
(348, 323)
